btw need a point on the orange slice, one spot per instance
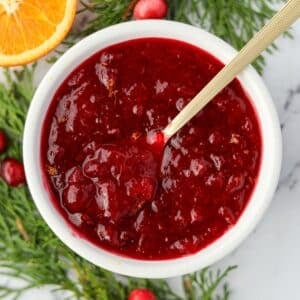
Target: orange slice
(30, 29)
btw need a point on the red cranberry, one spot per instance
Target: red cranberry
(3, 141)
(74, 175)
(141, 294)
(77, 197)
(150, 9)
(12, 172)
(91, 168)
(142, 190)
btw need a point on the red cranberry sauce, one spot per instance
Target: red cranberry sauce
(106, 181)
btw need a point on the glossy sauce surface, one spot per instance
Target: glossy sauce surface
(116, 191)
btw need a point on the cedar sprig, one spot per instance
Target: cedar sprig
(204, 284)
(235, 21)
(104, 13)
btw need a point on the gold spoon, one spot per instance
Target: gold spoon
(276, 26)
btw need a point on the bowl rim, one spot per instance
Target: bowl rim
(261, 196)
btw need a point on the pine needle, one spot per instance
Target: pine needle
(28, 249)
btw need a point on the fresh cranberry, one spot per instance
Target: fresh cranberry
(74, 175)
(150, 9)
(141, 294)
(3, 142)
(77, 197)
(12, 172)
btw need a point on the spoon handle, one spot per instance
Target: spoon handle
(276, 26)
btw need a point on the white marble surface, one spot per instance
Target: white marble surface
(269, 260)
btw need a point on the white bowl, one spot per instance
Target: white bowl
(268, 176)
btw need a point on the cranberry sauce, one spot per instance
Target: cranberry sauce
(109, 184)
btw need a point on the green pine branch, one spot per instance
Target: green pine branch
(205, 284)
(235, 21)
(28, 249)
